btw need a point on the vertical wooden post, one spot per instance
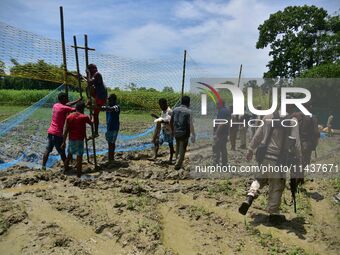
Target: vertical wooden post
(183, 76)
(80, 89)
(90, 100)
(239, 77)
(63, 48)
(77, 65)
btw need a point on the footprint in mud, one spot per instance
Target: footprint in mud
(87, 177)
(315, 195)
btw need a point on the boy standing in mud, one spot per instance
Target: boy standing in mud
(98, 92)
(112, 124)
(182, 126)
(60, 111)
(163, 130)
(76, 129)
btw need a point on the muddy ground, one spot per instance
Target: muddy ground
(140, 206)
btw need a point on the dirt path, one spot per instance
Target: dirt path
(177, 233)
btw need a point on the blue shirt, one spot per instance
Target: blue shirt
(112, 118)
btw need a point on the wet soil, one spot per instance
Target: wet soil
(137, 205)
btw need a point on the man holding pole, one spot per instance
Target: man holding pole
(75, 128)
(98, 91)
(55, 132)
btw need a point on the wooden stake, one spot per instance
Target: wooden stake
(90, 99)
(80, 89)
(239, 77)
(183, 76)
(63, 48)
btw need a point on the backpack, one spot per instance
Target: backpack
(308, 130)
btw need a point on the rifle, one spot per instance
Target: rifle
(292, 161)
(293, 190)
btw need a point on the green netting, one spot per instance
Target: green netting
(30, 61)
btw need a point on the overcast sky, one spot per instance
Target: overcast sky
(219, 35)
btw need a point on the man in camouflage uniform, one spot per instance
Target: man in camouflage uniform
(275, 150)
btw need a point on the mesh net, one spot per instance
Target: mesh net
(30, 61)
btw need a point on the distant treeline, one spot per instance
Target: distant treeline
(18, 83)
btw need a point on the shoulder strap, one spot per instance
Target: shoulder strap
(284, 137)
(269, 136)
(270, 132)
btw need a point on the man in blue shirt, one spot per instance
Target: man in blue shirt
(112, 123)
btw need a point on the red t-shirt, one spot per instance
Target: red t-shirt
(59, 114)
(76, 123)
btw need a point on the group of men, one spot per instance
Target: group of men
(270, 143)
(70, 122)
(274, 145)
(174, 124)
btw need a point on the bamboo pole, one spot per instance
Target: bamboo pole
(77, 65)
(63, 48)
(183, 75)
(80, 89)
(90, 100)
(239, 77)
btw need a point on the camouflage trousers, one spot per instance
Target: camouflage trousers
(232, 137)
(306, 154)
(276, 183)
(243, 136)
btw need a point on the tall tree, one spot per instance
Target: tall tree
(42, 71)
(168, 89)
(39, 70)
(329, 70)
(299, 38)
(131, 86)
(2, 68)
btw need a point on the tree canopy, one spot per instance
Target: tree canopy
(168, 89)
(2, 68)
(34, 75)
(39, 70)
(329, 70)
(299, 37)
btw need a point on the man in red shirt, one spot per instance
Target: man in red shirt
(76, 129)
(55, 132)
(98, 92)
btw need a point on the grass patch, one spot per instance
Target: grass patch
(151, 228)
(273, 245)
(197, 212)
(224, 187)
(296, 251)
(138, 204)
(9, 110)
(336, 184)
(132, 100)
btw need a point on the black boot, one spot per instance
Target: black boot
(245, 205)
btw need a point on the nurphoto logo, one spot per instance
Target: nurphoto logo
(238, 103)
